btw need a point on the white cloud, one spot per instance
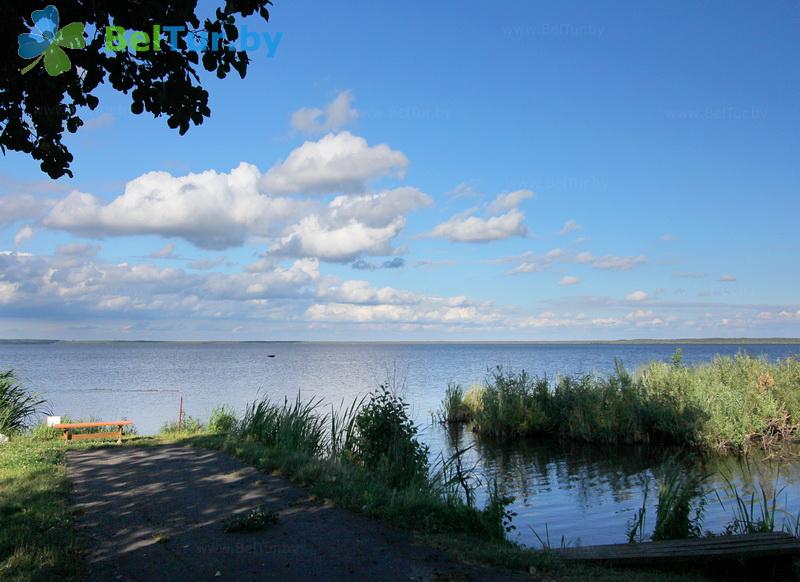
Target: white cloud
(23, 234)
(473, 229)
(336, 115)
(504, 220)
(728, 279)
(530, 262)
(637, 296)
(569, 226)
(351, 226)
(339, 162)
(22, 207)
(361, 292)
(508, 201)
(209, 209)
(7, 292)
(568, 280)
(610, 262)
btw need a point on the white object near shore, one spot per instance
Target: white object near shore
(3, 439)
(53, 420)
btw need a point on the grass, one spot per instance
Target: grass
(729, 404)
(365, 457)
(36, 537)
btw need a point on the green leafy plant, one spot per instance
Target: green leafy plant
(385, 440)
(257, 519)
(680, 492)
(222, 420)
(16, 404)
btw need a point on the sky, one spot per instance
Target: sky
(514, 170)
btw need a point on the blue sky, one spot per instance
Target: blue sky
(515, 171)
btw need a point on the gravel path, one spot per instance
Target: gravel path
(157, 513)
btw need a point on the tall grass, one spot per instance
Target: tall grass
(293, 427)
(680, 492)
(17, 406)
(730, 403)
(367, 456)
(756, 513)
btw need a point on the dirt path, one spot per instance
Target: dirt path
(156, 513)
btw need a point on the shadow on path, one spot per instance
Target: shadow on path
(157, 513)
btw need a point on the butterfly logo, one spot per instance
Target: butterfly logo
(46, 41)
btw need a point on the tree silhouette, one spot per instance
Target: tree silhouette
(37, 107)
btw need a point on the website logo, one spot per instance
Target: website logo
(46, 42)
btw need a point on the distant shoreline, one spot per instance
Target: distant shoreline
(680, 341)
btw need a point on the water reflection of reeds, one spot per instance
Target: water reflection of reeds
(588, 480)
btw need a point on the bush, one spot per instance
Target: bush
(386, 440)
(223, 420)
(16, 405)
(190, 425)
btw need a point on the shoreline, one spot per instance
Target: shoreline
(645, 341)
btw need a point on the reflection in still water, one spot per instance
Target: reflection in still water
(588, 493)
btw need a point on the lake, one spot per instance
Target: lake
(585, 493)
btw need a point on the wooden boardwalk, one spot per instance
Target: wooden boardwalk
(762, 545)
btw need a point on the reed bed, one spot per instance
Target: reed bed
(728, 404)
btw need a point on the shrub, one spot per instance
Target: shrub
(16, 405)
(190, 425)
(223, 420)
(386, 440)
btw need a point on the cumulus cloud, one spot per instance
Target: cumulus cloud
(336, 115)
(474, 229)
(339, 162)
(211, 210)
(503, 220)
(22, 207)
(637, 296)
(728, 279)
(351, 226)
(568, 280)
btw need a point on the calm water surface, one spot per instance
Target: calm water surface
(584, 493)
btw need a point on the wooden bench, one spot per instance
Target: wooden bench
(68, 436)
(759, 545)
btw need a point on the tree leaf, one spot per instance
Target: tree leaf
(71, 36)
(56, 61)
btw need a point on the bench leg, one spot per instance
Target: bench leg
(119, 435)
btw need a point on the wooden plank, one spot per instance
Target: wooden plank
(94, 435)
(740, 546)
(93, 424)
